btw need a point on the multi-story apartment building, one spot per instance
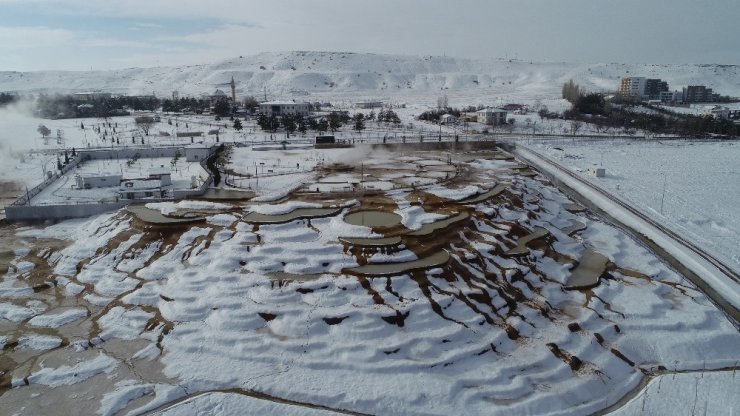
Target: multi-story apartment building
(699, 94)
(632, 87)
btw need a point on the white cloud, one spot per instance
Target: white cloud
(221, 36)
(23, 37)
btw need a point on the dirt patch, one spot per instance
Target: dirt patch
(373, 218)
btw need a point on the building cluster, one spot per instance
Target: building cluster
(489, 116)
(656, 89)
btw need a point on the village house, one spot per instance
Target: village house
(492, 116)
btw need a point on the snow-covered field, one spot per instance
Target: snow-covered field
(697, 184)
(270, 312)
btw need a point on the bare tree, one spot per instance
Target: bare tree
(442, 102)
(145, 123)
(251, 103)
(575, 125)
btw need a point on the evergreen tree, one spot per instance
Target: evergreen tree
(221, 108)
(571, 91)
(301, 124)
(322, 126)
(273, 123)
(359, 122)
(335, 121)
(311, 123)
(288, 124)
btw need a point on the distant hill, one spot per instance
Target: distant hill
(287, 74)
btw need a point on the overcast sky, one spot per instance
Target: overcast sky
(105, 34)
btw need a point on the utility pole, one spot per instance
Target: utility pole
(662, 198)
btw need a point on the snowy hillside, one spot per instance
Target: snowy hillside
(287, 74)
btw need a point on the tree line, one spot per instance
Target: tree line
(6, 99)
(594, 108)
(332, 122)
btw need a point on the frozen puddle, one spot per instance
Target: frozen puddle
(521, 246)
(486, 195)
(589, 270)
(571, 207)
(219, 194)
(428, 229)
(574, 227)
(155, 217)
(373, 218)
(388, 269)
(299, 213)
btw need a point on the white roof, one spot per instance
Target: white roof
(140, 184)
(160, 171)
(283, 103)
(491, 110)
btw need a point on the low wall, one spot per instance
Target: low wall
(30, 193)
(437, 145)
(46, 212)
(130, 152)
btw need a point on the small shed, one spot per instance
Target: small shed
(97, 181)
(447, 119)
(597, 171)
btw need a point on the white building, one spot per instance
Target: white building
(368, 104)
(142, 189)
(632, 86)
(492, 116)
(279, 108)
(716, 111)
(97, 181)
